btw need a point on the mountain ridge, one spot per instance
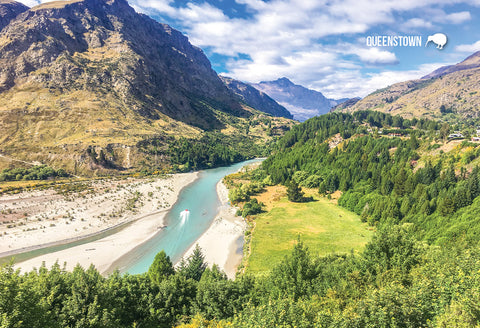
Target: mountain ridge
(302, 102)
(10, 9)
(449, 90)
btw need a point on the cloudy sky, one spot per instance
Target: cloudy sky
(321, 44)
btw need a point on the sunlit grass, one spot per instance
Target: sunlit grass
(323, 226)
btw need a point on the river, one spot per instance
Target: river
(201, 200)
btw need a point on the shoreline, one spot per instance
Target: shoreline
(219, 243)
(104, 252)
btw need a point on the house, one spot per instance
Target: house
(475, 138)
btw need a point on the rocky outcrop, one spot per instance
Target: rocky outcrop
(256, 98)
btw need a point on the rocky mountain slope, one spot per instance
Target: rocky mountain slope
(303, 103)
(451, 90)
(86, 77)
(9, 10)
(256, 98)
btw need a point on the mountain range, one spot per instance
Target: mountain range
(302, 102)
(450, 90)
(94, 74)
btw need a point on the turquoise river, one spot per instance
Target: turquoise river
(202, 202)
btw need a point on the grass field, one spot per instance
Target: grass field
(323, 226)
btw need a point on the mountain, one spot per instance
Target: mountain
(303, 103)
(450, 90)
(256, 98)
(9, 10)
(79, 78)
(345, 104)
(472, 61)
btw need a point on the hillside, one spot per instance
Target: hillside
(81, 78)
(302, 102)
(448, 90)
(256, 98)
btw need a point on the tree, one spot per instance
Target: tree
(195, 265)
(294, 192)
(161, 268)
(251, 207)
(444, 130)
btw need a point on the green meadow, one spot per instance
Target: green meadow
(322, 225)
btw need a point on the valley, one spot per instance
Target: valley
(148, 182)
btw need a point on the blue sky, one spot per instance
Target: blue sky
(321, 43)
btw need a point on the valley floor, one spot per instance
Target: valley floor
(32, 220)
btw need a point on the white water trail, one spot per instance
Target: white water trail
(184, 215)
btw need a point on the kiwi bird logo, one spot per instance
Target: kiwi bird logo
(439, 39)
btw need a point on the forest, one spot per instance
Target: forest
(385, 179)
(397, 281)
(211, 150)
(38, 172)
(421, 268)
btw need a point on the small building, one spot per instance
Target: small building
(455, 135)
(476, 139)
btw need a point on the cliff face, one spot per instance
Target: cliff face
(106, 47)
(256, 98)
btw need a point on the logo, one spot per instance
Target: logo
(439, 39)
(394, 41)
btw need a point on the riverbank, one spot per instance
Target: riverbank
(220, 243)
(143, 205)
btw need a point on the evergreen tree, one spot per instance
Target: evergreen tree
(294, 192)
(161, 268)
(195, 265)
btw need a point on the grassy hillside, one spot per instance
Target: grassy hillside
(451, 96)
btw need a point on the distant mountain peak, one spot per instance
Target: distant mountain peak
(256, 98)
(283, 80)
(302, 102)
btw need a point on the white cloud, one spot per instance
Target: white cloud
(377, 57)
(349, 83)
(458, 18)
(417, 23)
(474, 47)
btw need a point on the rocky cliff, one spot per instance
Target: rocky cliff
(106, 47)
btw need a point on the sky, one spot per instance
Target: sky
(322, 44)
